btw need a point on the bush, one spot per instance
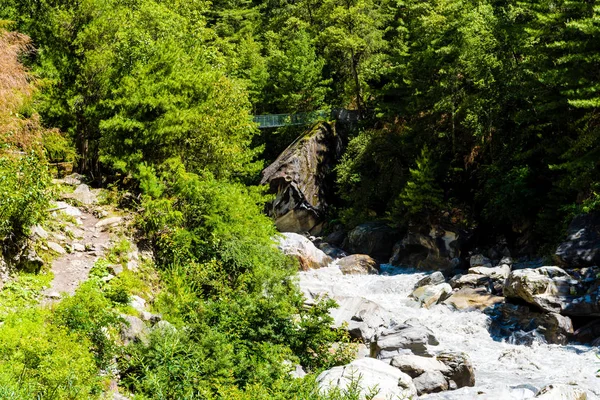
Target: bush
(24, 197)
(44, 361)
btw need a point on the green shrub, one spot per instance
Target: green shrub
(44, 361)
(89, 313)
(24, 197)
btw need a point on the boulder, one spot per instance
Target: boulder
(361, 317)
(304, 251)
(358, 264)
(434, 279)
(510, 318)
(336, 238)
(332, 251)
(431, 294)
(496, 275)
(430, 382)
(479, 299)
(301, 179)
(500, 272)
(409, 337)
(470, 281)
(479, 260)
(548, 288)
(581, 248)
(589, 333)
(375, 239)
(460, 371)
(414, 366)
(84, 195)
(389, 382)
(561, 392)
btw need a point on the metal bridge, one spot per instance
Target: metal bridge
(305, 118)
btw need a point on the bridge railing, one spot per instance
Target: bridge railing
(305, 118)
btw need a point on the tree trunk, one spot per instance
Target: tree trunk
(356, 83)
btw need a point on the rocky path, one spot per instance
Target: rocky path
(88, 245)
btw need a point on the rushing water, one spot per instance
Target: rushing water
(502, 370)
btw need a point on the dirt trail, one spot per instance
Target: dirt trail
(71, 269)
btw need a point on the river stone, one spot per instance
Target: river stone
(414, 366)
(546, 287)
(307, 254)
(460, 369)
(362, 318)
(561, 392)
(470, 281)
(332, 251)
(468, 298)
(500, 272)
(430, 295)
(409, 337)
(430, 382)
(301, 179)
(375, 239)
(390, 381)
(510, 318)
(433, 279)
(358, 264)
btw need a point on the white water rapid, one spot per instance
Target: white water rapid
(502, 370)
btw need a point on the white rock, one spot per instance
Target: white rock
(38, 232)
(108, 222)
(390, 381)
(57, 248)
(561, 392)
(430, 295)
(68, 209)
(307, 254)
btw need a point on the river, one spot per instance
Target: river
(502, 370)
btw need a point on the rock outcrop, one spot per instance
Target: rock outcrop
(301, 180)
(582, 245)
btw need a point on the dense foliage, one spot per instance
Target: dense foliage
(477, 113)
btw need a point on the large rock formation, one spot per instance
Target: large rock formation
(300, 179)
(582, 246)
